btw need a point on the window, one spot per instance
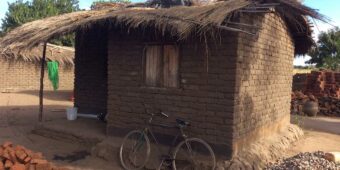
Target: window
(161, 66)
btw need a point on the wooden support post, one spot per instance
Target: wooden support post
(41, 92)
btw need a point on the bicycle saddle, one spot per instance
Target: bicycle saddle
(182, 122)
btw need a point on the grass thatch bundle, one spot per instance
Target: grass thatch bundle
(178, 21)
(64, 55)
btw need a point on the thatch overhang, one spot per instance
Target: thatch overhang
(63, 55)
(178, 21)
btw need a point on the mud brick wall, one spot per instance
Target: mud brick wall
(264, 80)
(19, 75)
(91, 71)
(205, 95)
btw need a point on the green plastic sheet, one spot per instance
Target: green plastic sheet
(53, 73)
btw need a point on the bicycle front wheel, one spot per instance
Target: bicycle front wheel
(135, 150)
(193, 154)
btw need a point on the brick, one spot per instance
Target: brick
(8, 164)
(6, 155)
(27, 159)
(20, 154)
(12, 156)
(2, 166)
(18, 167)
(30, 167)
(43, 166)
(37, 155)
(19, 147)
(28, 152)
(38, 161)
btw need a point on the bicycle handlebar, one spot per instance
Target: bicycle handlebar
(153, 114)
(164, 114)
(160, 114)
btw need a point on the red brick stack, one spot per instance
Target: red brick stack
(321, 83)
(337, 77)
(19, 158)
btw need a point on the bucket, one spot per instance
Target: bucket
(71, 113)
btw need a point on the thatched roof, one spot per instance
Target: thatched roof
(179, 21)
(64, 55)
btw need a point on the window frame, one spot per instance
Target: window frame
(144, 58)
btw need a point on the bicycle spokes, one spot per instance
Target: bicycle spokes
(134, 151)
(194, 155)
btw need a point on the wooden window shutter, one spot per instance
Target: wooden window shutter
(170, 66)
(153, 66)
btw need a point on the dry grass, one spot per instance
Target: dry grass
(301, 71)
(178, 21)
(64, 55)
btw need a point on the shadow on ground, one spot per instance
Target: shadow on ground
(58, 95)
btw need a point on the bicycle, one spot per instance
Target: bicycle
(188, 154)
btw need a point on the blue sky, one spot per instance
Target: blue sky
(329, 8)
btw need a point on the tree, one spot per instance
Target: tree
(21, 12)
(327, 52)
(108, 1)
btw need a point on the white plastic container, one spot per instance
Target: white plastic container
(71, 113)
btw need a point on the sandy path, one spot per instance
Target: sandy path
(19, 115)
(315, 141)
(321, 134)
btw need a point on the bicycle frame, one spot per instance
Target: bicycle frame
(170, 159)
(148, 130)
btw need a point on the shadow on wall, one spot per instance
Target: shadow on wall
(59, 95)
(263, 68)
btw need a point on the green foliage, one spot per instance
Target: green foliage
(327, 53)
(105, 1)
(298, 120)
(21, 12)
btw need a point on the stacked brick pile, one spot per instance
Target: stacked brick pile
(328, 106)
(321, 83)
(19, 158)
(322, 87)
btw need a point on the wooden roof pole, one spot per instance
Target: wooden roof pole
(41, 91)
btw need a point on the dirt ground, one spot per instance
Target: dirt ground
(321, 134)
(315, 141)
(19, 116)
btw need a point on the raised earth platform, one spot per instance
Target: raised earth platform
(263, 151)
(91, 133)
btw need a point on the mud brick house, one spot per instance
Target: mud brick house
(225, 66)
(21, 71)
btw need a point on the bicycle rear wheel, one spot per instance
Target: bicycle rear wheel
(135, 150)
(193, 154)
